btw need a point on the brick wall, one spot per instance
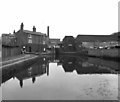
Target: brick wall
(10, 51)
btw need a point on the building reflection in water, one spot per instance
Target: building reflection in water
(86, 65)
(33, 79)
(37, 69)
(82, 65)
(21, 83)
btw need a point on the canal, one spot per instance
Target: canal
(62, 78)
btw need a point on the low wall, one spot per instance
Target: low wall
(34, 47)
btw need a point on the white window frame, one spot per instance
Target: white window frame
(29, 36)
(29, 40)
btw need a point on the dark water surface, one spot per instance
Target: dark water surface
(62, 78)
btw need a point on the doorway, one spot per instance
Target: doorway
(29, 49)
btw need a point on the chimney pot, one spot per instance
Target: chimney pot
(21, 26)
(48, 31)
(34, 29)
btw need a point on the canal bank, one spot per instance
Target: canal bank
(113, 54)
(20, 60)
(105, 53)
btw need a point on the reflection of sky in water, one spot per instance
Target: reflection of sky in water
(59, 85)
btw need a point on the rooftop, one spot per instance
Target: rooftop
(31, 32)
(97, 38)
(54, 39)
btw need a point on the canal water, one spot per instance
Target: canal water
(62, 78)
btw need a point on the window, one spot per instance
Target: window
(69, 44)
(29, 40)
(43, 42)
(29, 36)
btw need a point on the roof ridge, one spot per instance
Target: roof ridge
(32, 32)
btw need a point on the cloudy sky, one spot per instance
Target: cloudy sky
(65, 17)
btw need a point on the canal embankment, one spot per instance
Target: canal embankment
(110, 54)
(15, 64)
(20, 60)
(104, 53)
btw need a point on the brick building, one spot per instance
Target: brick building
(97, 41)
(9, 46)
(54, 42)
(68, 44)
(81, 42)
(33, 41)
(8, 39)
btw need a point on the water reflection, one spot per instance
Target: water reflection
(82, 65)
(32, 72)
(87, 65)
(23, 72)
(61, 77)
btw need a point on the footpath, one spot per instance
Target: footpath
(9, 61)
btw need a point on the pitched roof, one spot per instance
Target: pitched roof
(8, 35)
(5, 34)
(35, 33)
(55, 40)
(96, 38)
(116, 34)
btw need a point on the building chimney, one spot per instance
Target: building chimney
(14, 32)
(34, 29)
(21, 26)
(48, 31)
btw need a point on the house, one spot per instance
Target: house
(33, 41)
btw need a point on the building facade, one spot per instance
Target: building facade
(54, 42)
(68, 44)
(33, 41)
(97, 41)
(8, 39)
